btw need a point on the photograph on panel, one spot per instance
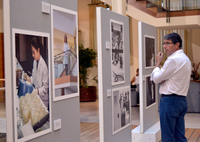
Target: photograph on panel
(120, 108)
(117, 52)
(31, 84)
(150, 92)
(149, 52)
(64, 52)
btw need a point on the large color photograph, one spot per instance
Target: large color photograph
(64, 50)
(31, 84)
(121, 108)
(149, 52)
(117, 52)
(150, 92)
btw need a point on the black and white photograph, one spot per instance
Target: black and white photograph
(150, 92)
(64, 50)
(31, 83)
(117, 52)
(149, 52)
(121, 108)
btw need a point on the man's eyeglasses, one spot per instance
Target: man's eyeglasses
(167, 43)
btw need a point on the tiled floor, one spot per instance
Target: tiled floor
(89, 113)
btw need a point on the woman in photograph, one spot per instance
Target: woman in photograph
(40, 76)
(65, 56)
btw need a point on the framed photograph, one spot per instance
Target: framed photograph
(31, 83)
(64, 53)
(117, 52)
(149, 52)
(121, 110)
(150, 92)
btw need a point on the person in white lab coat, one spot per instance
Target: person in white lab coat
(40, 76)
(65, 56)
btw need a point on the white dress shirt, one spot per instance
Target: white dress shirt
(137, 80)
(175, 72)
(40, 78)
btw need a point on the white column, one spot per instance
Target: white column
(119, 6)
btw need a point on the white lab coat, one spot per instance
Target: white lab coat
(40, 78)
(65, 56)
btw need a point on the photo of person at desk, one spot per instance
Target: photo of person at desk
(40, 76)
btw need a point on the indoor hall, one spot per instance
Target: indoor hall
(26, 16)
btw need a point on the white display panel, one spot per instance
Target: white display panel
(147, 36)
(114, 28)
(64, 53)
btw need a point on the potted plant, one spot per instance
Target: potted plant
(87, 59)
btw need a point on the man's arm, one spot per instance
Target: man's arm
(160, 75)
(159, 58)
(133, 80)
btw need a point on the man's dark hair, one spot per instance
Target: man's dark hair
(35, 42)
(174, 37)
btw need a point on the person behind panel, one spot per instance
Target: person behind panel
(136, 80)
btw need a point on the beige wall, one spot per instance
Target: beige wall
(196, 46)
(193, 45)
(134, 55)
(83, 25)
(189, 44)
(83, 21)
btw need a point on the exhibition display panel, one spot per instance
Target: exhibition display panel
(113, 76)
(31, 113)
(65, 53)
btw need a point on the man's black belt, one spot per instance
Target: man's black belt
(168, 95)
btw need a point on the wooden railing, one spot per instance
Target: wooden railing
(172, 8)
(2, 88)
(177, 5)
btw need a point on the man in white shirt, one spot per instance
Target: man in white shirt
(174, 78)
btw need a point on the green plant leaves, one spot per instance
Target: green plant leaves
(86, 60)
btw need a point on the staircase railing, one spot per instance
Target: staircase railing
(59, 67)
(170, 5)
(2, 84)
(177, 5)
